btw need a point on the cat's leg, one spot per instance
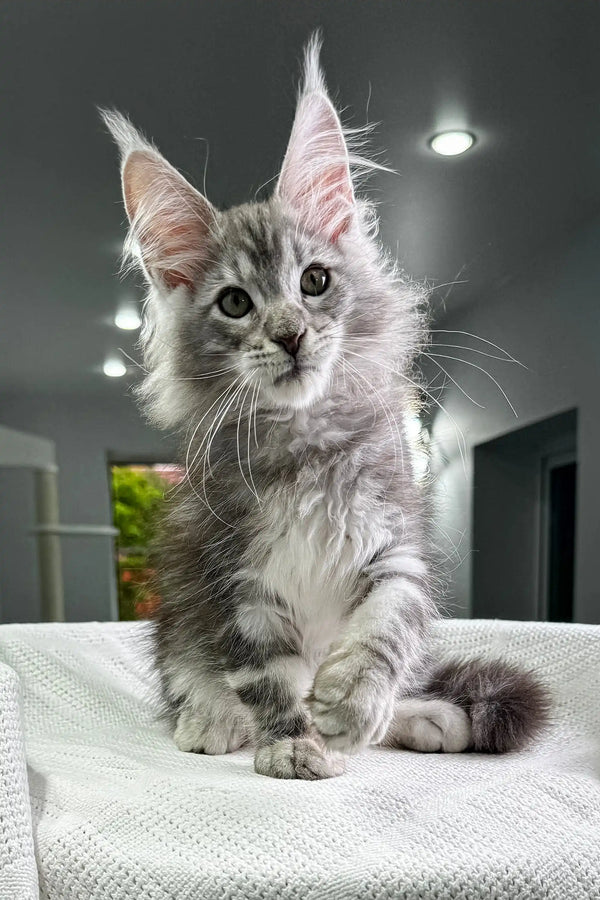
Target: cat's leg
(382, 645)
(430, 725)
(211, 719)
(287, 747)
(270, 679)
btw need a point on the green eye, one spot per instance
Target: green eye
(314, 281)
(235, 303)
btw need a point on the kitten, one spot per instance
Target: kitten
(296, 579)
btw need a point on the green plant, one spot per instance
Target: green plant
(138, 494)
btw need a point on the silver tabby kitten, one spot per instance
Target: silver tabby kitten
(295, 574)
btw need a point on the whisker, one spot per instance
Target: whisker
(462, 444)
(453, 380)
(256, 413)
(360, 388)
(187, 456)
(220, 415)
(481, 369)
(239, 455)
(449, 285)
(507, 359)
(478, 338)
(400, 441)
(205, 374)
(389, 420)
(252, 399)
(134, 361)
(179, 377)
(206, 458)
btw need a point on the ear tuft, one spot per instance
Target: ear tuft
(170, 221)
(125, 135)
(313, 81)
(315, 177)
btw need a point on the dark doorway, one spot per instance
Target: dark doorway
(562, 485)
(524, 522)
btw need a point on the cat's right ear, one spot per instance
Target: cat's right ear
(170, 220)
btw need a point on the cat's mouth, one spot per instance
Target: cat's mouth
(294, 373)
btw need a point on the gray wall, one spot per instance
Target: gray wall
(20, 455)
(88, 431)
(549, 318)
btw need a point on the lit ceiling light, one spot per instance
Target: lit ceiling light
(451, 143)
(128, 318)
(114, 367)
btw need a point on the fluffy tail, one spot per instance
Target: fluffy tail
(507, 705)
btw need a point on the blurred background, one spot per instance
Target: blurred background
(506, 234)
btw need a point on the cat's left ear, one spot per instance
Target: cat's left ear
(315, 177)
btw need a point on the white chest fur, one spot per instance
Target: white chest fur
(315, 541)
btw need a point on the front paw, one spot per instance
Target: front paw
(297, 758)
(351, 703)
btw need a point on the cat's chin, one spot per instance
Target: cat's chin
(297, 391)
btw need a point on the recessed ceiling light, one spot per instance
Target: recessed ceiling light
(451, 143)
(128, 318)
(114, 367)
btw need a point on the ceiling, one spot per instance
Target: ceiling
(524, 75)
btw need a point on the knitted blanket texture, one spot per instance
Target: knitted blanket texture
(97, 802)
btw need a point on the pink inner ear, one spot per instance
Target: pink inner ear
(169, 218)
(315, 177)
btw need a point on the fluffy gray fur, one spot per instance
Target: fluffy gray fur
(295, 570)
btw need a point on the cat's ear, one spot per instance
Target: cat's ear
(315, 177)
(170, 220)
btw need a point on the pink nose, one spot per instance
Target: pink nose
(290, 343)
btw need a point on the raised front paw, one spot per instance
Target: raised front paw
(297, 758)
(351, 702)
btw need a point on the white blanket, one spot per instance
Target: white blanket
(115, 811)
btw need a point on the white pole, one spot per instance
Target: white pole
(51, 577)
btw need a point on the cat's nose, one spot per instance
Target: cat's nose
(291, 343)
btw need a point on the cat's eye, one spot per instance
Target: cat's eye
(235, 303)
(314, 281)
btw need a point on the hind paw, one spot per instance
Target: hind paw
(429, 726)
(198, 733)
